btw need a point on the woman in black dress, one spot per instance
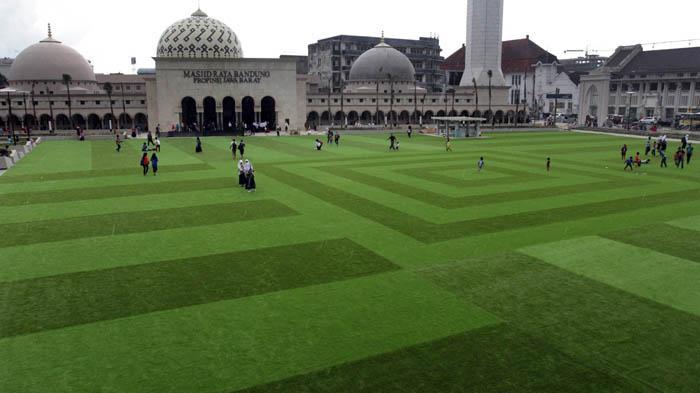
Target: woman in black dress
(198, 148)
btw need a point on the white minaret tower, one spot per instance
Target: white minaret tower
(484, 43)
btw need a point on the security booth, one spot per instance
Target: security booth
(459, 127)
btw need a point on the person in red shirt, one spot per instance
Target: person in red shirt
(145, 163)
(638, 160)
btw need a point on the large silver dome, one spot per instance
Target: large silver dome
(382, 63)
(199, 36)
(48, 60)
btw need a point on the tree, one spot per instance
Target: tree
(490, 74)
(67, 79)
(3, 81)
(476, 93)
(109, 89)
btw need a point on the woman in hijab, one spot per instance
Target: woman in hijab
(250, 176)
(241, 174)
(198, 148)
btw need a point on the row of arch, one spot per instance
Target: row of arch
(227, 117)
(406, 117)
(90, 122)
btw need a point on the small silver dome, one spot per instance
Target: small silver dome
(199, 36)
(382, 63)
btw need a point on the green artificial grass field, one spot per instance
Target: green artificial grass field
(353, 269)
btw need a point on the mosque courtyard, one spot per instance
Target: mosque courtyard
(351, 269)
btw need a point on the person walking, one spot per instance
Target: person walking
(623, 152)
(241, 174)
(629, 164)
(689, 153)
(150, 140)
(234, 148)
(250, 176)
(679, 158)
(549, 164)
(241, 148)
(480, 165)
(198, 146)
(158, 144)
(664, 158)
(410, 132)
(144, 163)
(648, 148)
(118, 141)
(154, 163)
(337, 139)
(392, 142)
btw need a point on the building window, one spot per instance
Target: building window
(97, 102)
(82, 102)
(362, 100)
(310, 100)
(143, 102)
(128, 102)
(685, 86)
(653, 87)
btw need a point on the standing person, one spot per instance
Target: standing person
(330, 137)
(150, 140)
(158, 144)
(119, 143)
(144, 163)
(448, 144)
(234, 148)
(241, 148)
(680, 158)
(198, 146)
(549, 164)
(154, 163)
(392, 140)
(398, 145)
(664, 159)
(629, 164)
(623, 152)
(684, 142)
(480, 165)
(337, 138)
(638, 160)
(689, 153)
(144, 148)
(241, 174)
(410, 132)
(648, 148)
(158, 132)
(250, 176)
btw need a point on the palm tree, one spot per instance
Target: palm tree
(3, 81)
(67, 79)
(476, 93)
(109, 89)
(490, 74)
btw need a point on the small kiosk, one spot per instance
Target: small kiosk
(459, 127)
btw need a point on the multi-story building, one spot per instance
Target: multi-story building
(5, 64)
(332, 58)
(635, 83)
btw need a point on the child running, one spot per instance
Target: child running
(481, 164)
(154, 163)
(629, 164)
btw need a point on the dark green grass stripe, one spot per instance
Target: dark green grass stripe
(102, 173)
(93, 193)
(48, 303)
(138, 222)
(603, 327)
(428, 232)
(663, 238)
(440, 200)
(489, 360)
(436, 177)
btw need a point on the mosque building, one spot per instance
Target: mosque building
(203, 81)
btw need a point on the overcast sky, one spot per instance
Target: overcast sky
(110, 32)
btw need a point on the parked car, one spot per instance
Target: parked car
(648, 121)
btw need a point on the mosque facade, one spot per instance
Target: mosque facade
(202, 81)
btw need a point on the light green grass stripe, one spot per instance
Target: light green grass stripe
(239, 343)
(692, 223)
(665, 279)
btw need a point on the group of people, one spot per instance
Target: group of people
(333, 137)
(394, 143)
(237, 147)
(246, 175)
(681, 157)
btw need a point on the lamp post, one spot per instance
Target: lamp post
(476, 94)
(391, 99)
(124, 106)
(556, 106)
(415, 100)
(36, 120)
(490, 74)
(24, 119)
(343, 118)
(51, 120)
(9, 118)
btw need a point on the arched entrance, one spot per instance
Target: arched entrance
(44, 122)
(312, 119)
(79, 121)
(326, 118)
(404, 117)
(228, 106)
(366, 117)
(125, 121)
(268, 112)
(353, 118)
(464, 114)
(428, 117)
(499, 117)
(141, 121)
(453, 113)
(477, 114)
(248, 112)
(416, 117)
(339, 118)
(29, 121)
(189, 113)
(380, 119)
(592, 100)
(209, 119)
(62, 122)
(106, 120)
(94, 122)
